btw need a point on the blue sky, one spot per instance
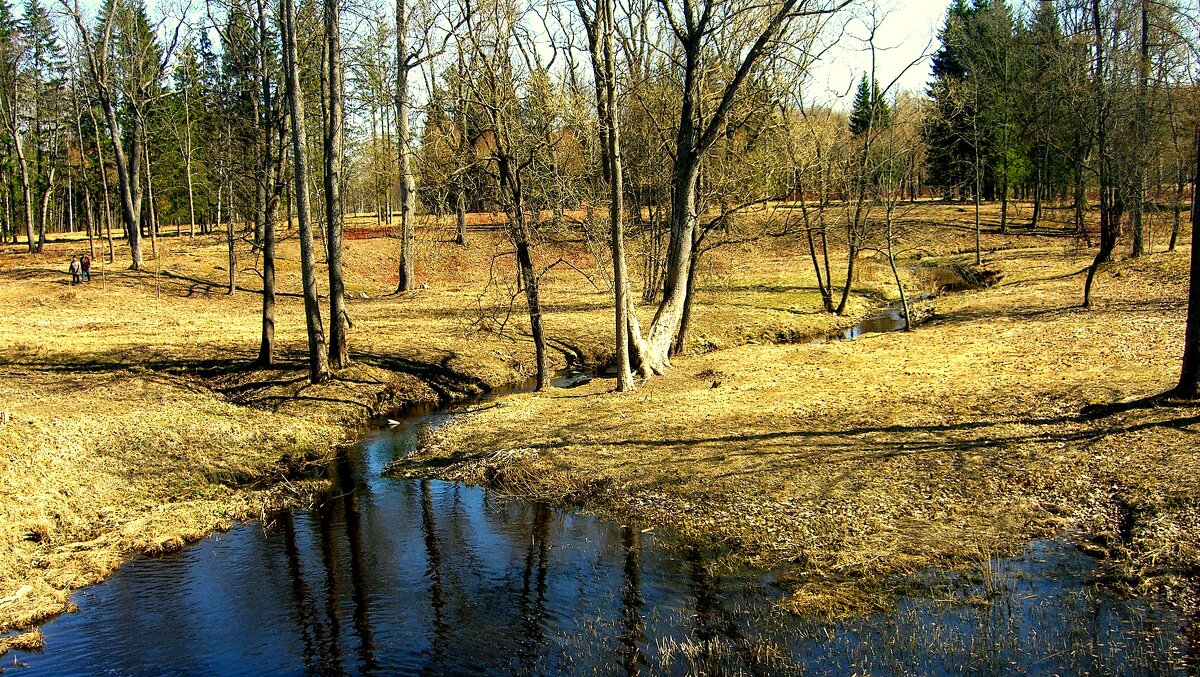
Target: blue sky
(906, 30)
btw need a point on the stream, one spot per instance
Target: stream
(399, 576)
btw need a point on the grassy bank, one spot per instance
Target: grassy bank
(859, 460)
(137, 423)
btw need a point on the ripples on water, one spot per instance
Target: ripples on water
(397, 576)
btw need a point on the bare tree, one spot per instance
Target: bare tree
(698, 30)
(124, 29)
(270, 181)
(599, 22)
(335, 150)
(1111, 198)
(318, 364)
(1189, 378)
(406, 61)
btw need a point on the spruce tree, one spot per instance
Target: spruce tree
(871, 109)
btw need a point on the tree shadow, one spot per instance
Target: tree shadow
(242, 381)
(850, 452)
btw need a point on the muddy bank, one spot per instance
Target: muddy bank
(857, 461)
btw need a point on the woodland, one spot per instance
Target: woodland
(302, 215)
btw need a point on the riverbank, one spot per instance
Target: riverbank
(857, 461)
(137, 423)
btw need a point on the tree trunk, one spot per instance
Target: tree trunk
(655, 351)
(460, 216)
(27, 196)
(317, 366)
(44, 207)
(89, 220)
(1080, 189)
(530, 283)
(1143, 137)
(230, 239)
(1189, 379)
(151, 210)
(854, 228)
(266, 346)
(599, 27)
(1176, 226)
(978, 226)
(339, 351)
(129, 180)
(685, 322)
(1004, 197)
(1108, 197)
(826, 291)
(10, 229)
(268, 189)
(112, 256)
(604, 69)
(70, 203)
(408, 186)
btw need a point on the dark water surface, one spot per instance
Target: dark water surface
(394, 576)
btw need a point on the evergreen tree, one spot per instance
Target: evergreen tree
(43, 76)
(949, 131)
(9, 58)
(871, 109)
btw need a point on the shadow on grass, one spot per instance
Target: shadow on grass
(242, 381)
(850, 452)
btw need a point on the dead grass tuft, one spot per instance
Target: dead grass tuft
(31, 642)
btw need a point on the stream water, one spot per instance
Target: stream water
(395, 576)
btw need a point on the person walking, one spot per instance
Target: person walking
(85, 268)
(75, 269)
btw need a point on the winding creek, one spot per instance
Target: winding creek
(396, 576)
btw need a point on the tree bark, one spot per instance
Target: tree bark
(1176, 226)
(1189, 378)
(460, 215)
(230, 239)
(600, 27)
(1142, 129)
(693, 139)
(529, 279)
(129, 180)
(1108, 197)
(408, 186)
(187, 165)
(268, 188)
(1080, 188)
(104, 184)
(151, 210)
(339, 351)
(622, 302)
(318, 369)
(27, 194)
(87, 193)
(44, 207)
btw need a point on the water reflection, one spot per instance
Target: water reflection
(403, 577)
(633, 628)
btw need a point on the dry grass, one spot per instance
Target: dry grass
(137, 423)
(863, 459)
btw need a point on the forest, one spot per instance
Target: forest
(863, 334)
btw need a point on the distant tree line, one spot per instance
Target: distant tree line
(663, 120)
